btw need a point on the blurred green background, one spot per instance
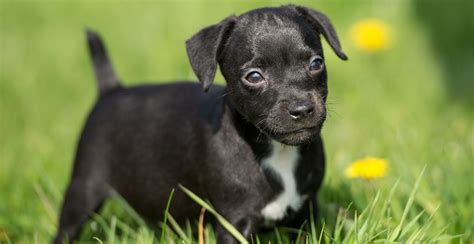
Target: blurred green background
(411, 103)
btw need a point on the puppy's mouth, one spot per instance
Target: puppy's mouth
(293, 137)
(297, 131)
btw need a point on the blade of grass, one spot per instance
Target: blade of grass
(125, 228)
(4, 237)
(257, 241)
(228, 226)
(128, 209)
(101, 221)
(98, 240)
(51, 213)
(209, 236)
(376, 235)
(341, 219)
(112, 232)
(323, 228)
(356, 226)
(277, 235)
(410, 224)
(445, 238)
(189, 230)
(385, 206)
(312, 224)
(178, 229)
(396, 232)
(166, 217)
(201, 226)
(300, 231)
(428, 223)
(363, 229)
(351, 230)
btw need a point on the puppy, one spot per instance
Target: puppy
(252, 148)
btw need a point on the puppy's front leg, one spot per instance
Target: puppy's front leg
(239, 199)
(303, 217)
(240, 204)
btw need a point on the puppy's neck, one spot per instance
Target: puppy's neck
(260, 143)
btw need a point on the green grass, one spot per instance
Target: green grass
(396, 104)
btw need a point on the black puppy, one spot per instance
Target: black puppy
(252, 148)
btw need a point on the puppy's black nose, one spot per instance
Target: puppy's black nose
(300, 110)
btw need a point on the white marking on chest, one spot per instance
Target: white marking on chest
(283, 162)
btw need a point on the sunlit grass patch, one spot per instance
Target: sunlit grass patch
(377, 222)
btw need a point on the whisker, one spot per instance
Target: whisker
(331, 112)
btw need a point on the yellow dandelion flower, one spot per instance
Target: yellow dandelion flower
(371, 35)
(369, 168)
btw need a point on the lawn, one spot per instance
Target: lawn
(410, 104)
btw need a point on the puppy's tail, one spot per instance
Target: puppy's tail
(104, 72)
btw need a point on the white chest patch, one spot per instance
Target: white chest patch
(283, 162)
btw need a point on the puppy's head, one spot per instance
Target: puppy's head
(273, 62)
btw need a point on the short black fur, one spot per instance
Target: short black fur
(144, 141)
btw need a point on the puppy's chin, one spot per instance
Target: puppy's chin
(297, 137)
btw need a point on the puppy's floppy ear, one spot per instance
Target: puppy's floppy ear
(323, 25)
(205, 47)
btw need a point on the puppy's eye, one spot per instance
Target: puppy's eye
(316, 64)
(254, 77)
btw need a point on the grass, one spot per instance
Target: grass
(393, 104)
